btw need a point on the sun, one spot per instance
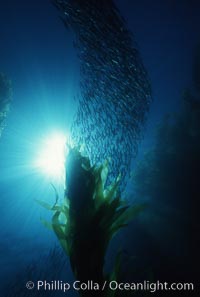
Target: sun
(51, 156)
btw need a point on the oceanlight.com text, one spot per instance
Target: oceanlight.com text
(90, 285)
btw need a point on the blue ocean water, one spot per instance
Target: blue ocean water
(37, 54)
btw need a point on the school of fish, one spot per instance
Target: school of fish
(114, 85)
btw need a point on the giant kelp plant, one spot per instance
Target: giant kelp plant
(168, 176)
(5, 98)
(115, 90)
(91, 214)
(115, 97)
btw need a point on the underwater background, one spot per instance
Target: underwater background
(38, 55)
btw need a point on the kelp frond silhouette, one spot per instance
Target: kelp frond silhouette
(90, 215)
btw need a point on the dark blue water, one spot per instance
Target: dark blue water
(37, 54)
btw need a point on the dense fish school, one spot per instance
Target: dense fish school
(115, 90)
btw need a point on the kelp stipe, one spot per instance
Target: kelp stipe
(91, 214)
